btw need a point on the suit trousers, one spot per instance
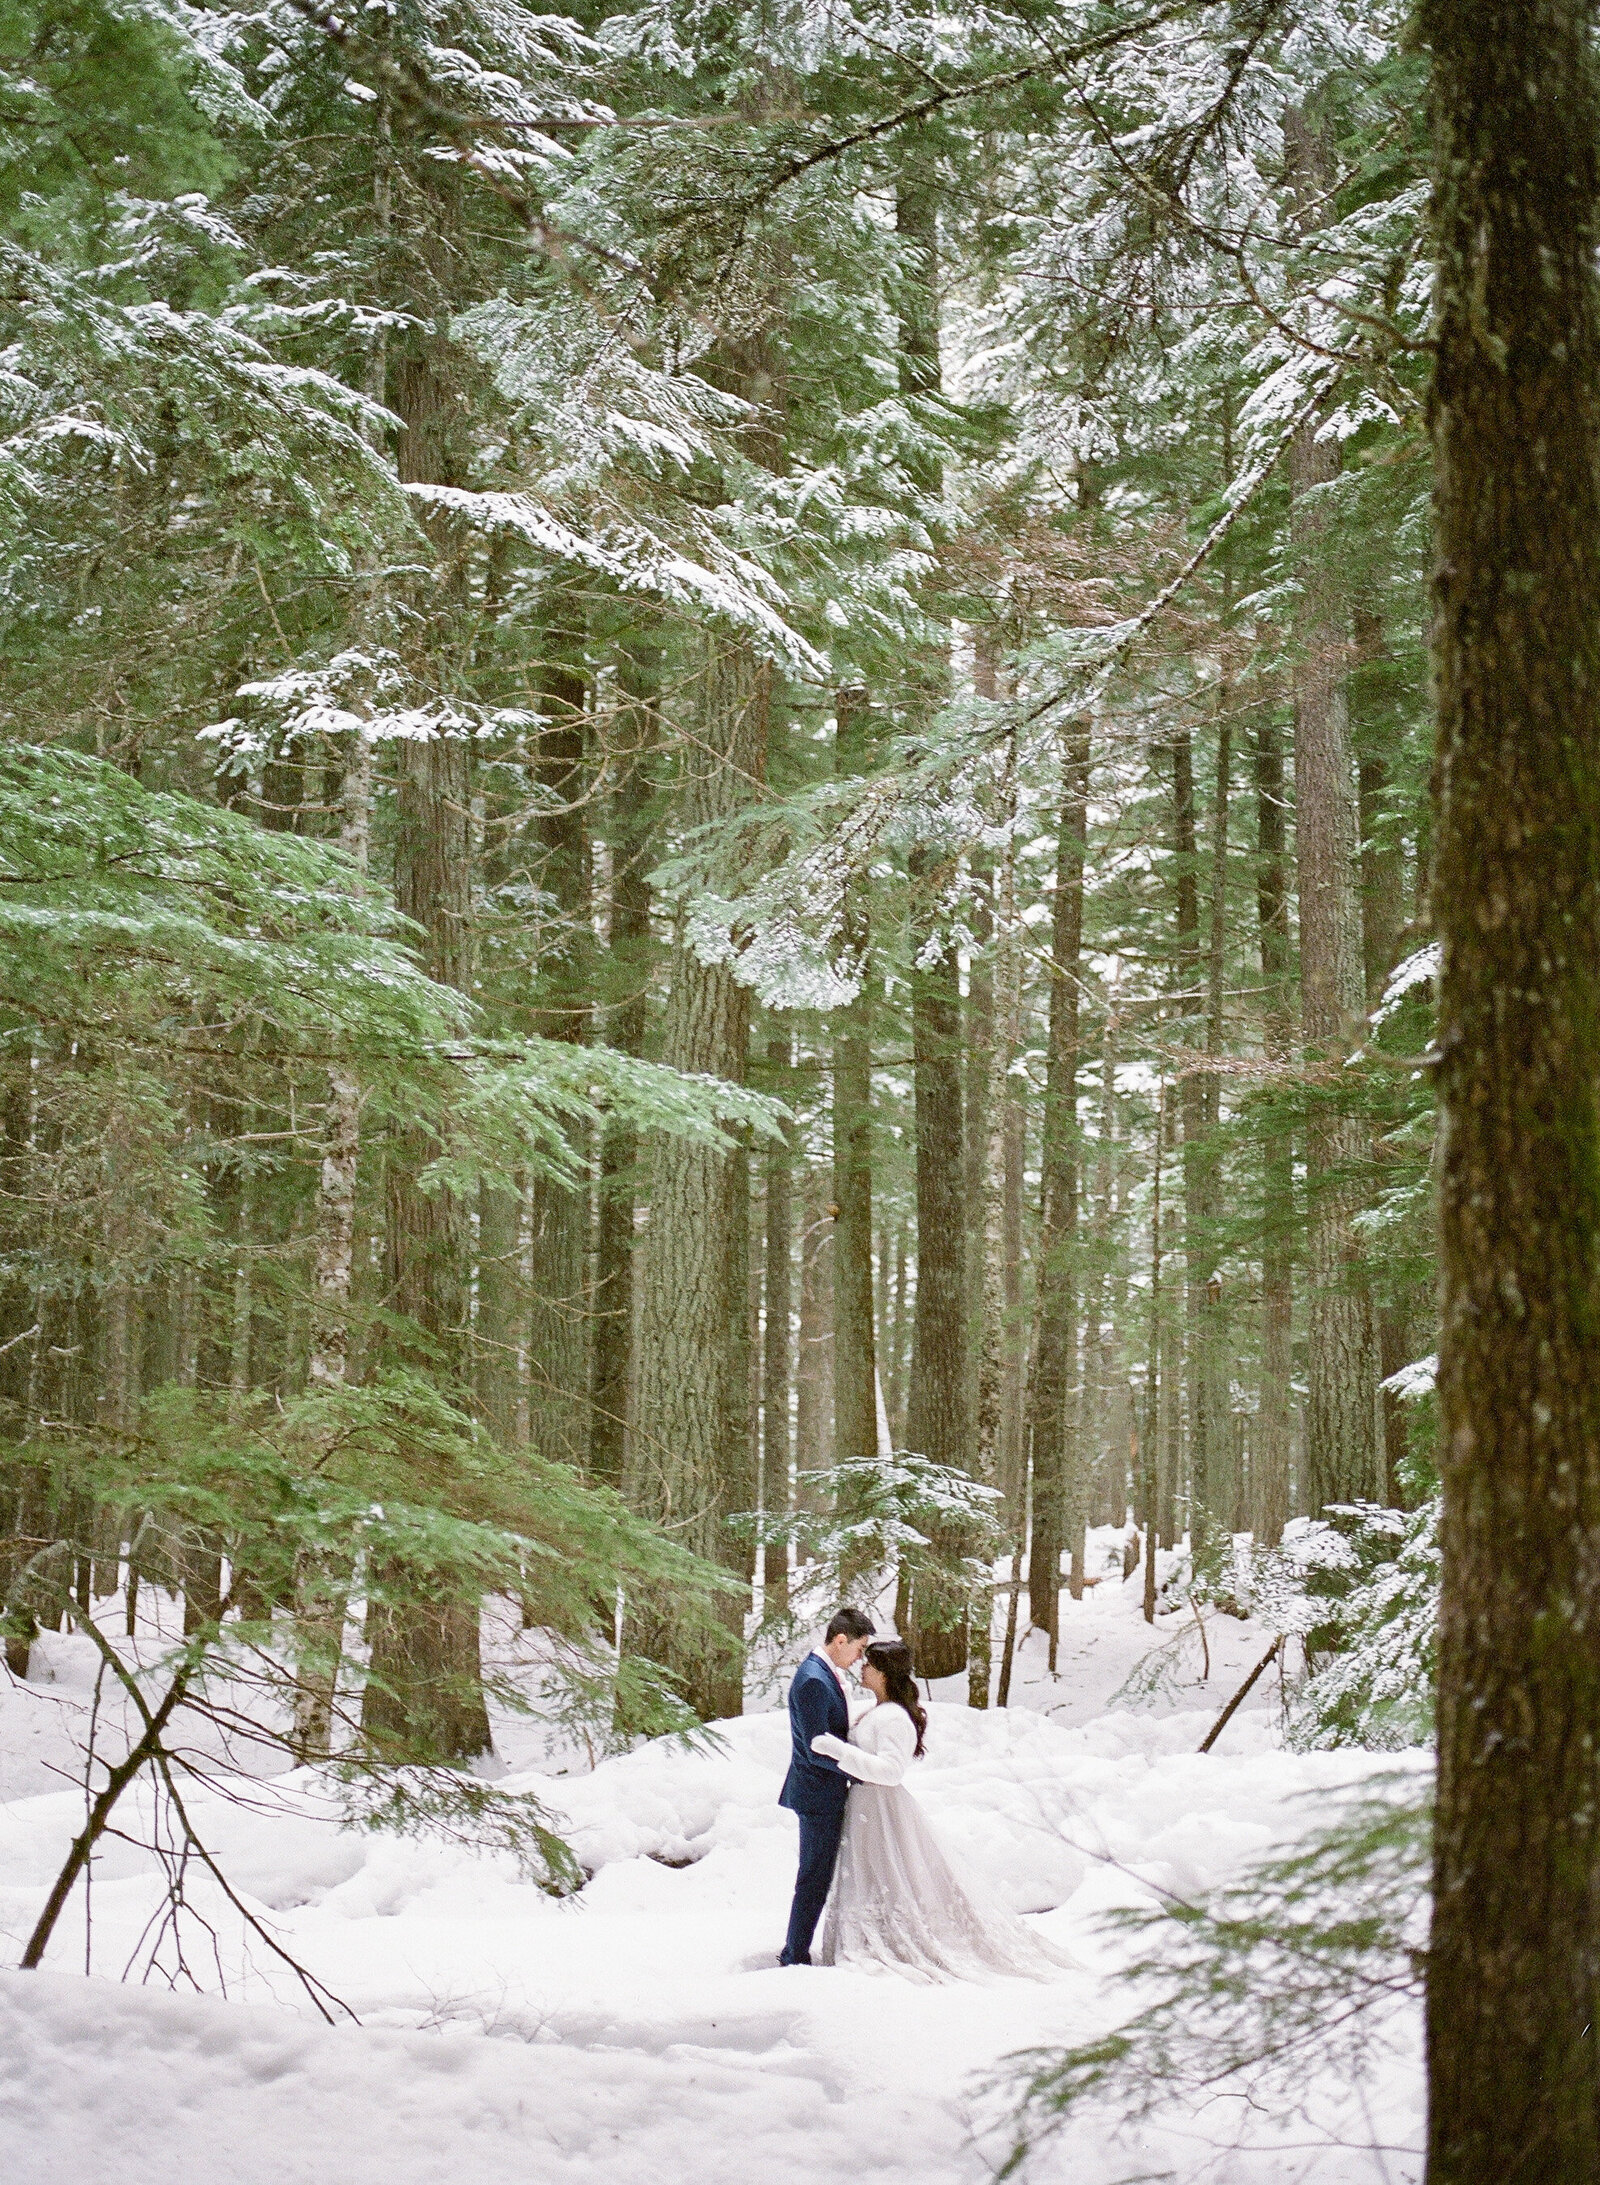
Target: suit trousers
(819, 1848)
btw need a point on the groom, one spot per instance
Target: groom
(816, 1787)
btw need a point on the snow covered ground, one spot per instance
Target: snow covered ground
(641, 2030)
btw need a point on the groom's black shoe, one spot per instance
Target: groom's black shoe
(783, 1960)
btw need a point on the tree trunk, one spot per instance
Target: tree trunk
(1194, 1106)
(777, 1375)
(424, 1695)
(1514, 1959)
(1342, 1456)
(1055, 1304)
(938, 1423)
(321, 1589)
(682, 1470)
(1382, 924)
(995, 1284)
(1211, 1374)
(813, 1413)
(855, 1371)
(900, 1317)
(559, 1306)
(1270, 1455)
(638, 731)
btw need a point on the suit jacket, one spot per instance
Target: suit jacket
(815, 1785)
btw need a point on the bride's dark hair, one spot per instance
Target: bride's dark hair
(892, 1660)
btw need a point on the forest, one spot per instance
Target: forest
(800, 804)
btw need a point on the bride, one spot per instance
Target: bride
(895, 1899)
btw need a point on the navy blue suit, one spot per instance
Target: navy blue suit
(816, 1789)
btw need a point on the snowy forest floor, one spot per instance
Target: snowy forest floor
(641, 2030)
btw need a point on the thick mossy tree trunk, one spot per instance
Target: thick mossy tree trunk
(1514, 1960)
(688, 1451)
(424, 1695)
(1049, 1423)
(424, 1698)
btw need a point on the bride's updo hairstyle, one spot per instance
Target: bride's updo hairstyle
(892, 1660)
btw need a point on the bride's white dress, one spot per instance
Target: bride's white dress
(895, 1898)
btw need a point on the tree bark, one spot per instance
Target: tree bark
(692, 1371)
(424, 1697)
(1211, 1374)
(777, 1371)
(321, 1589)
(813, 1412)
(1195, 1101)
(1342, 1456)
(1055, 1303)
(1383, 920)
(855, 1370)
(558, 1349)
(994, 1283)
(1514, 1959)
(938, 1419)
(1270, 1454)
(637, 734)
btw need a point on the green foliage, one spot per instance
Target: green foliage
(858, 1518)
(390, 1489)
(1296, 1970)
(1374, 1687)
(151, 918)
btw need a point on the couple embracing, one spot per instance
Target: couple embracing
(871, 1869)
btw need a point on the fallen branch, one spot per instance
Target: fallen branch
(1242, 1694)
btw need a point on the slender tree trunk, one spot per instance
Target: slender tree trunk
(1342, 1456)
(1194, 1109)
(558, 1328)
(777, 1373)
(900, 1311)
(638, 731)
(1171, 1377)
(1514, 1959)
(1270, 1455)
(813, 1421)
(693, 1367)
(1013, 1378)
(993, 1234)
(321, 1589)
(855, 1401)
(1150, 1464)
(938, 1422)
(1211, 1376)
(1103, 1445)
(1383, 920)
(1055, 1303)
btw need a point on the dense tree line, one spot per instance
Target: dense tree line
(718, 742)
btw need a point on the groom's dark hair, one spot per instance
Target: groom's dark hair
(849, 1623)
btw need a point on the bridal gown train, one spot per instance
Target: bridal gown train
(895, 1899)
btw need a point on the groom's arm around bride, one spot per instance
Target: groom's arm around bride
(816, 1787)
